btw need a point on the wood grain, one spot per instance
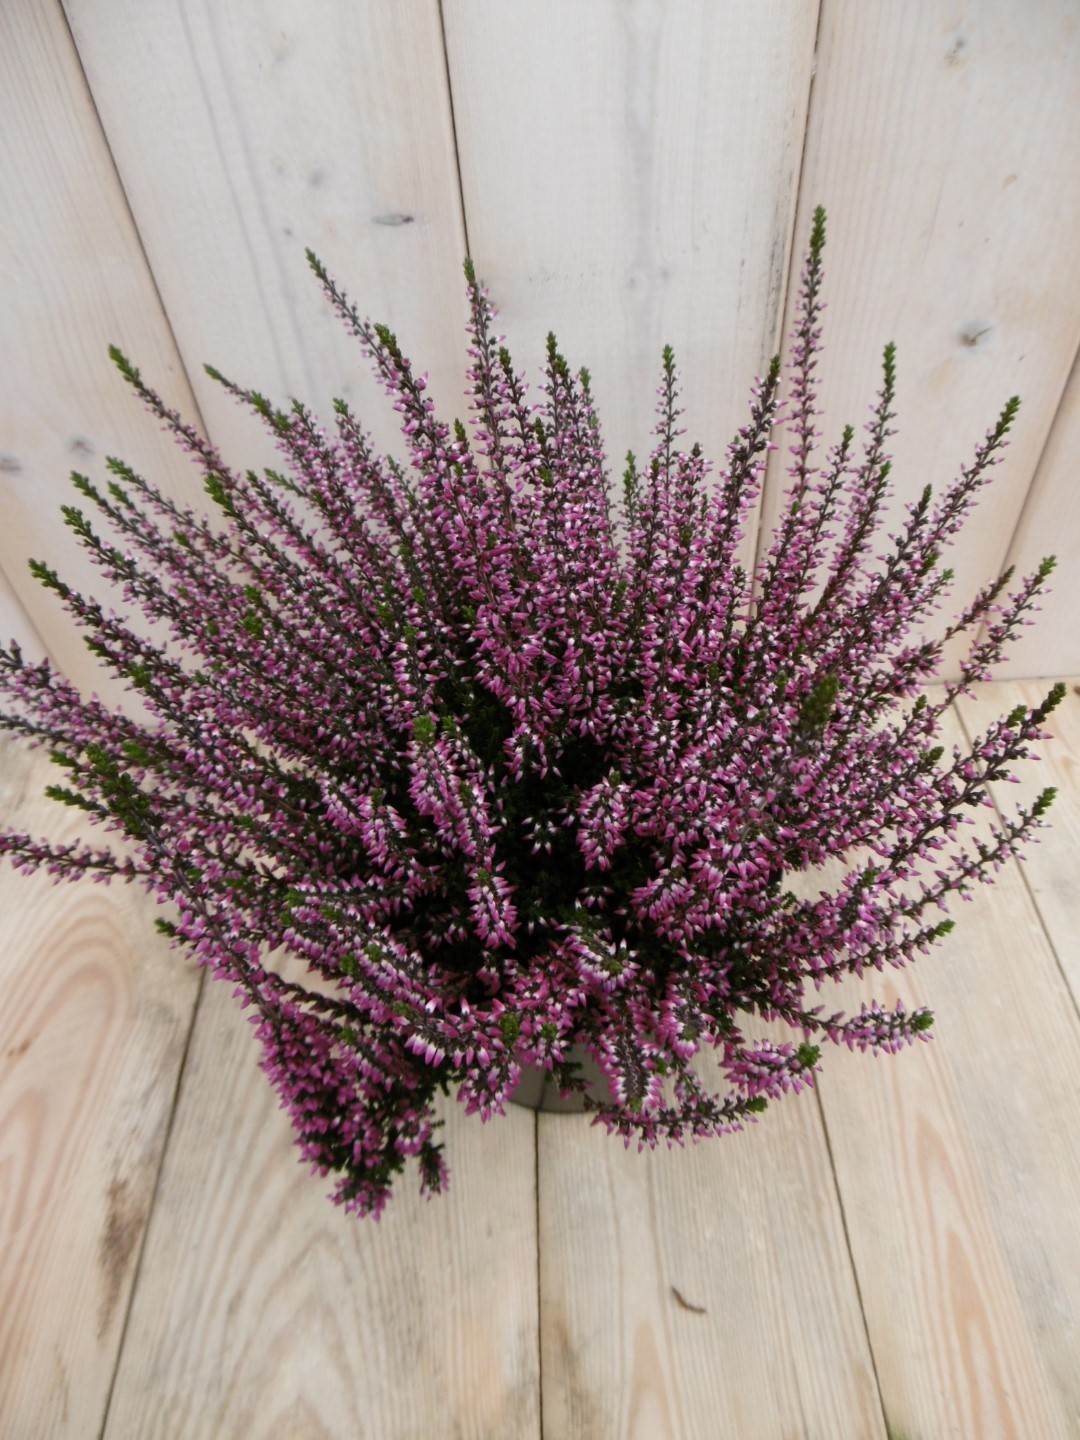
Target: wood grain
(73, 279)
(263, 1311)
(1049, 869)
(1050, 525)
(629, 174)
(699, 1292)
(264, 127)
(937, 143)
(93, 1025)
(15, 624)
(957, 1163)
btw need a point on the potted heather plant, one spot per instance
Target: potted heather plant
(517, 787)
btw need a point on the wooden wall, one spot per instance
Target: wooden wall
(625, 172)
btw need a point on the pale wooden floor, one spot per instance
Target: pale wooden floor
(898, 1256)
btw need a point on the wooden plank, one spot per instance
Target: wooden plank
(956, 1164)
(92, 1032)
(941, 141)
(1050, 869)
(699, 1292)
(1050, 525)
(264, 1311)
(15, 624)
(262, 130)
(629, 175)
(73, 280)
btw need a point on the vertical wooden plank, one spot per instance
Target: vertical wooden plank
(956, 1163)
(15, 624)
(629, 174)
(264, 1311)
(1050, 525)
(1050, 869)
(941, 141)
(263, 128)
(73, 280)
(699, 1292)
(93, 1026)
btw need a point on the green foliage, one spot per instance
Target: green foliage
(1043, 802)
(816, 709)
(817, 235)
(136, 752)
(889, 366)
(424, 729)
(1007, 416)
(48, 577)
(124, 365)
(1056, 696)
(64, 796)
(214, 486)
(388, 340)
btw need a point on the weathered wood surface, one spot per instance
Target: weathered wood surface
(1050, 525)
(94, 1017)
(263, 1311)
(264, 128)
(699, 1292)
(629, 175)
(1051, 869)
(15, 624)
(73, 280)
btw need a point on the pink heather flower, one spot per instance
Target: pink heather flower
(512, 772)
